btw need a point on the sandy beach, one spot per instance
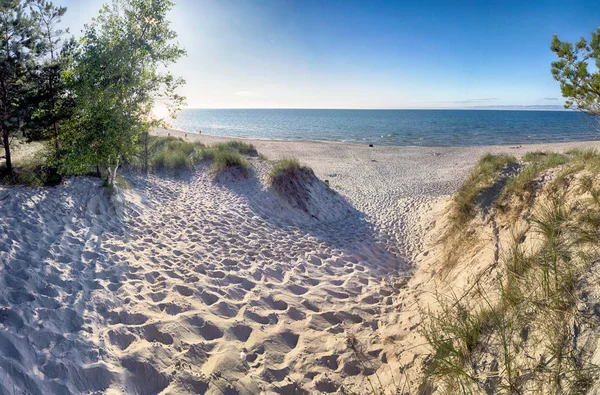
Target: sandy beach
(185, 285)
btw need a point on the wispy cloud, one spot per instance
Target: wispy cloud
(549, 98)
(249, 95)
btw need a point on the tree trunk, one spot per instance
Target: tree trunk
(112, 175)
(146, 159)
(6, 143)
(5, 134)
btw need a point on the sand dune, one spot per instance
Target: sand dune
(193, 286)
(202, 286)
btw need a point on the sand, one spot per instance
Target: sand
(186, 285)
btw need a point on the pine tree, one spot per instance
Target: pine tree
(53, 104)
(579, 85)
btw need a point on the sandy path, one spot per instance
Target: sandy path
(216, 287)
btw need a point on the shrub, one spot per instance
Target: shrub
(34, 170)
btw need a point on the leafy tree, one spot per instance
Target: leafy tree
(117, 75)
(18, 48)
(578, 84)
(53, 103)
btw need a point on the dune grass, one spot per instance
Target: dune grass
(225, 160)
(526, 321)
(481, 177)
(290, 179)
(171, 154)
(176, 155)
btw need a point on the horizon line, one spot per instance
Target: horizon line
(479, 108)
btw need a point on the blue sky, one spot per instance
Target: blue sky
(368, 54)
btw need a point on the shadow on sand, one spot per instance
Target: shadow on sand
(52, 260)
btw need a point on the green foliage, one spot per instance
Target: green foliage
(535, 164)
(482, 177)
(51, 99)
(224, 159)
(19, 45)
(116, 76)
(284, 167)
(579, 86)
(239, 146)
(176, 155)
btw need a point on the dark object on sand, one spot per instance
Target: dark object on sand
(371, 145)
(186, 135)
(168, 134)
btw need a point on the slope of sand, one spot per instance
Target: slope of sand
(195, 286)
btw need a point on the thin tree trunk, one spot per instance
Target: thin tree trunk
(5, 134)
(146, 159)
(6, 143)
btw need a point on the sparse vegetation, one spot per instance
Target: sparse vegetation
(31, 169)
(175, 155)
(224, 160)
(481, 178)
(172, 154)
(289, 179)
(520, 330)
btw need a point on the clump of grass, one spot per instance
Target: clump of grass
(226, 160)
(226, 156)
(172, 154)
(523, 184)
(482, 177)
(290, 180)
(239, 146)
(175, 161)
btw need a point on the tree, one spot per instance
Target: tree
(579, 86)
(115, 79)
(53, 103)
(18, 46)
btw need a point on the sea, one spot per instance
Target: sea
(432, 128)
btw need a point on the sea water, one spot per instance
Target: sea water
(392, 127)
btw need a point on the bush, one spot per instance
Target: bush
(33, 170)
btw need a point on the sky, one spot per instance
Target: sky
(367, 54)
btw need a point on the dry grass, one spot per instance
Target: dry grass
(481, 178)
(291, 180)
(32, 167)
(518, 334)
